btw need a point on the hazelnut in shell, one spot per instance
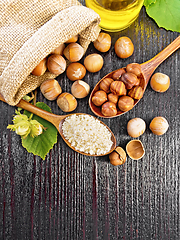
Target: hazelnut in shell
(73, 52)
(136, 127)
(80, 89)
(75, 71)
(56, 64)
(59, 50)
(159, 125)
(124, 47)
(99, 98)
(72, 39)
(160, 82)
(51, 89)
(135, 149)
(103, 42)
(109, 109)
(118, 156)
(67, 102)
(40, 69)
(93, 62)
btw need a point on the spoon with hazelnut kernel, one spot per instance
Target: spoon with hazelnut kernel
(58, 121)
(119, 91)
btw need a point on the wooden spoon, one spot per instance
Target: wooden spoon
(147, 70)
(57, 121)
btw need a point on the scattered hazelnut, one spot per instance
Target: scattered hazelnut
(72, 39)
(67, 102)
(117, 157)
(160, 82)
(73, 52)
(80, 89)
(59, 50)
(51, 89)
(130, 80)
(136, 92)
(40, 69)
(75, 71)
(113, 98)
(118, 88)
(103, 42)
(118, 73)
(135, 149)
(134, 68)
(93, 62)
(56, 64)
(105, 84)
(125, 103)
(124, 47)
(159, 125)
(136, 127)
(109, 109)
(99, 98)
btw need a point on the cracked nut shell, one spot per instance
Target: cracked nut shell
(117, 157)
(135, 149)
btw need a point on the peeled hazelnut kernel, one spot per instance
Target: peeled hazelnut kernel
(136, 127)
(135, 149)
(73, 39)
(105, 84)
(103, 42)
(51, 89)
(59, 50)
(134, 68)
(99, 98)
(124, 47)
(80, 89)
(130, 80)
(160, 82)
(56, 64)
(75, 71)
(117, 157)
(113, 98)
(118, 88)
(93, 62)
(118, 73)
(67, 102)
(159, 125)
(125, 103)
(109, 109)
(73, 52)
(136, 92)
(40, 69)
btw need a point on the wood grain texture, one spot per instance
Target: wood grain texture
(72, 196)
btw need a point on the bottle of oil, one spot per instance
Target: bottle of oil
(116, 15)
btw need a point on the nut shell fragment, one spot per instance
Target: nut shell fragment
(118, 156)
(135, 149)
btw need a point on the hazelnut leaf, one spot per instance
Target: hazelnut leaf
(165, 13)
(43, 143)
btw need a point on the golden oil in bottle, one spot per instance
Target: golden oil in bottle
(116, 15)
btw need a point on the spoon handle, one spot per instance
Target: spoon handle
(149, 67)
(53, 118)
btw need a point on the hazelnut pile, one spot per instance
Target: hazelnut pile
(56, 63)
(120, 91)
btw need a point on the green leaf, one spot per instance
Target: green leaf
(43, 143)
(166, 13)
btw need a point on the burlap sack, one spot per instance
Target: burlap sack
(29, 31)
